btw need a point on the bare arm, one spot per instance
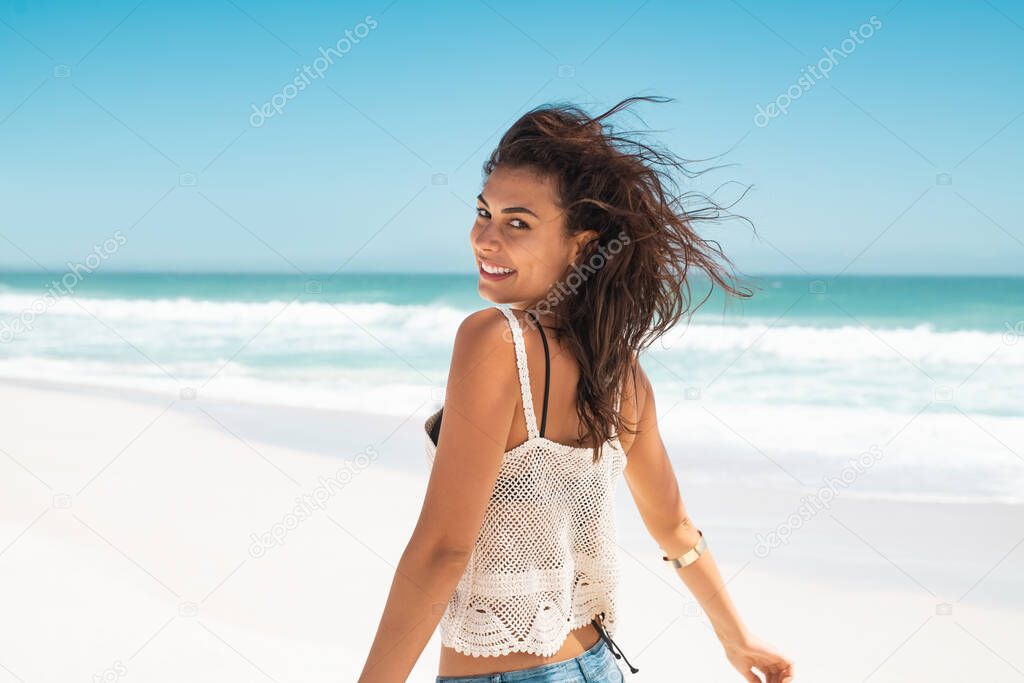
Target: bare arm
(652, 483)
(479, 405)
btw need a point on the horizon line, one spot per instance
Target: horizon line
(470, 274)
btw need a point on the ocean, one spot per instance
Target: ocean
(805, 376)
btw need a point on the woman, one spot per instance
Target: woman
(579, 241)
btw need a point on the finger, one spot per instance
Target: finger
(751, 677)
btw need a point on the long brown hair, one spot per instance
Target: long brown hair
(630, 285)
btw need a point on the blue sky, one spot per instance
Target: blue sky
(138, 118)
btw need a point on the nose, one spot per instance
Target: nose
(483, 238)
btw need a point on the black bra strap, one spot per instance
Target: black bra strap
(547, 373)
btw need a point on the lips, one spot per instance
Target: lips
(492, 265)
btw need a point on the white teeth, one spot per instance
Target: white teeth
(494, 270)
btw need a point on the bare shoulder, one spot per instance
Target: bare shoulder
(644, 390)
(480, 323)
(636, 399)
(483, 348)
(637, 389)
(482, 329)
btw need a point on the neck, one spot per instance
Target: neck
(547, 316)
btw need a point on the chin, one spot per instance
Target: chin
(496, 299)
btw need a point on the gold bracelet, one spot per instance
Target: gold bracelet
(691, 555)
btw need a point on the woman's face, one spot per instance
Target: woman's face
(520, 227)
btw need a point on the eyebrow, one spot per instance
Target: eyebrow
(509, 209)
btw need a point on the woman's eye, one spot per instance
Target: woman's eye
(516, 223)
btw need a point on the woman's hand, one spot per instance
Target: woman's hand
(751, 652)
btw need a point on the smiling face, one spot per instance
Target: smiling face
(519, 238)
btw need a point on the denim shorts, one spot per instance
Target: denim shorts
(596, 665)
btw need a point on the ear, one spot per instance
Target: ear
(580, 241)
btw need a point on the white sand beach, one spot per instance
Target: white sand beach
(149, 538)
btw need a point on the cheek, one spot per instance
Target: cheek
(544, 263)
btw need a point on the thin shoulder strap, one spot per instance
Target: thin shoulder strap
(524, 372)
(547, 373)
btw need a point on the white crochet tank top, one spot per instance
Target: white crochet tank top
(545, 561)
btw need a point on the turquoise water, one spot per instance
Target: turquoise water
(944, 303)
(840, 358)
(400, 327)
